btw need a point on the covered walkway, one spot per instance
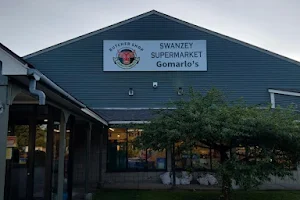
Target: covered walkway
(39, 123)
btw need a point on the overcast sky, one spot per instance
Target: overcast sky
(31, 25)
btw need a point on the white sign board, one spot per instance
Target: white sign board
(154, 55)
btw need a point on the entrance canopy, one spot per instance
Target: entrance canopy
(126, 116)
(42, 116)
(39, 86)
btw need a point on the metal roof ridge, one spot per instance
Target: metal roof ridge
(53, 85)
(170, 18)
(115, 25)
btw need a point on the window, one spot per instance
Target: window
(117, 148)
(201, 157)
(252, 154)
(123, 155)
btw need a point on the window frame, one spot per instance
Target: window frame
(199, 169)
(127, 169)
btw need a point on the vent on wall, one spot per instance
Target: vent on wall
(130, 92)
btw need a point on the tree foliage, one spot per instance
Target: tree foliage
(269, 137)
(22, 133)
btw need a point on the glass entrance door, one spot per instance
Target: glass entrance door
(17, 163)
(20, 156)
(40, 161)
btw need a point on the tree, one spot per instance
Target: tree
(268, 137)
(22, 133)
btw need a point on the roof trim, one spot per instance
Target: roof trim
(128, 122)
(53, 86)
(99, 108)
(94, 115)
(284, 92)
(89, 34)
(228, 38)
(15, 56)
(172, 19)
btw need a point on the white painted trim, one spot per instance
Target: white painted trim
(25, 102)
(172, 19)
(128, 122)
(272, 97)
(99, 108)
(11, 65)
(296, 94)
(93, 115)
(228, 38)
(89, 34)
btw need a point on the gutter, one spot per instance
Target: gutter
(129, 122)
(34, 72)
(32, 89)
(39, 76)
(13, 65)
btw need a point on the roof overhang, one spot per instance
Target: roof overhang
(171, 19)
(289, 92)
(127, 122)
(10, 65)
(17, 69)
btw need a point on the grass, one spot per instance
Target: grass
(193, 195)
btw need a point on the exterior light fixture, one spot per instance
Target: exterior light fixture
(130, 92)
(118, 135)
(45, 120)
(180, 91)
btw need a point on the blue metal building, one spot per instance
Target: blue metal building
(123, 89)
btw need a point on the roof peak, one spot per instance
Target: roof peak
(145, 14)
(151, 12)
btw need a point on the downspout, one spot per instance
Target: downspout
(44, 79)
(32, 89)
(272, 96)
(38, 76)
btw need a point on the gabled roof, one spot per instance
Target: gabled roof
(295, 90)
(126, 115)
(154, 12)
(11, 53)
(8, 58)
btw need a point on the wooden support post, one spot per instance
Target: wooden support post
(31, 153)
(49, 155)
(101, 141)
(4, 116)
(87, 157)
(71, 157)
(61, 160)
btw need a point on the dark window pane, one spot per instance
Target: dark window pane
(136, 157)
(124, 154)
(156, 159)
(201, 157)
(215, 158)
(40, 160)
(117, 145)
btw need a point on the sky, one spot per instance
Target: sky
(31, 25)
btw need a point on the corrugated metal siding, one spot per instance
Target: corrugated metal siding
(237, 70)
(126, 115)
(285, 101)
(3, 80)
